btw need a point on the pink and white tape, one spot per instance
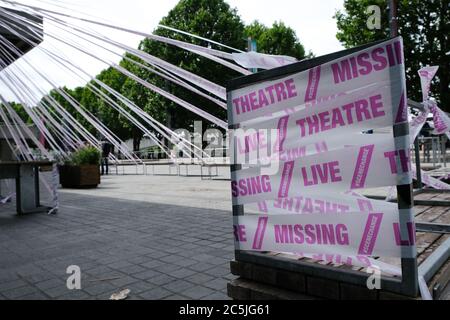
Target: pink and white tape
(324, 234)
(354, 167)
(378, 64)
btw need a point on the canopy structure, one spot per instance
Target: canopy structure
(62, 123)
(18, 42)
(21, 28)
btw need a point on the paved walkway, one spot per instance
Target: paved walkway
(124, 235)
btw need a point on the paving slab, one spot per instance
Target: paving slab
(163, 237)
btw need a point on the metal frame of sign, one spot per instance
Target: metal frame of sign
(408, 284)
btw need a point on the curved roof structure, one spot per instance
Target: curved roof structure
(12, 37)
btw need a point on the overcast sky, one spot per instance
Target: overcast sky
(312, 20)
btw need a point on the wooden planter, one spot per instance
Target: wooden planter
(77, 177)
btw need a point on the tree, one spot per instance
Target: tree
(113, 119)
(277, 40)
(139, 95)
(425, 28)
(66, 105)
(19, 109)
(213, 19)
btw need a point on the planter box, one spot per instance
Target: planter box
(45, 168)
(87, 176)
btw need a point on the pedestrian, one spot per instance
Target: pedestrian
(106, 151)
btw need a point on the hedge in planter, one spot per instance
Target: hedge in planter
(82, 169)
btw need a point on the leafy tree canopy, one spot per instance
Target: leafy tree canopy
(19, 109)
(212, 19)
(278, 40)
(425, 28)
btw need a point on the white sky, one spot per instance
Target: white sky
(312, 21)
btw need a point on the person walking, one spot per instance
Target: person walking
(106, 151)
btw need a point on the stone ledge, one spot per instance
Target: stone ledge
(295, 283)
(242, 289)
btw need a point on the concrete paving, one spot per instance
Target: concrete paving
(162, 237)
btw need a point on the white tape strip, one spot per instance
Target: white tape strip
(352, 168)
(379, 64)
(256, 60)
(317, 203)
(340, 233)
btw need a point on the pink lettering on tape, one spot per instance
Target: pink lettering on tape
(265, 97)
(362, 166)
(282, 133)
(262, 206)
(440, 119)
(402, 114)
(313, 84)
(426, 76)
(260, 232)
(251, 186)
(350, 114)
(365, 63)
(411, 227)
(286, 179)
(370, 234)
(321, 147)
(312, 234)
(365, 205)
(239, 233)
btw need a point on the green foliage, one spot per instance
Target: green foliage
(20, 110)
(352, 23)
(213, 19)
(85, 156)
(77, 95)
(425, 28)
(278, 40)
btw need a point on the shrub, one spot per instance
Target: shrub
(85, 156)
